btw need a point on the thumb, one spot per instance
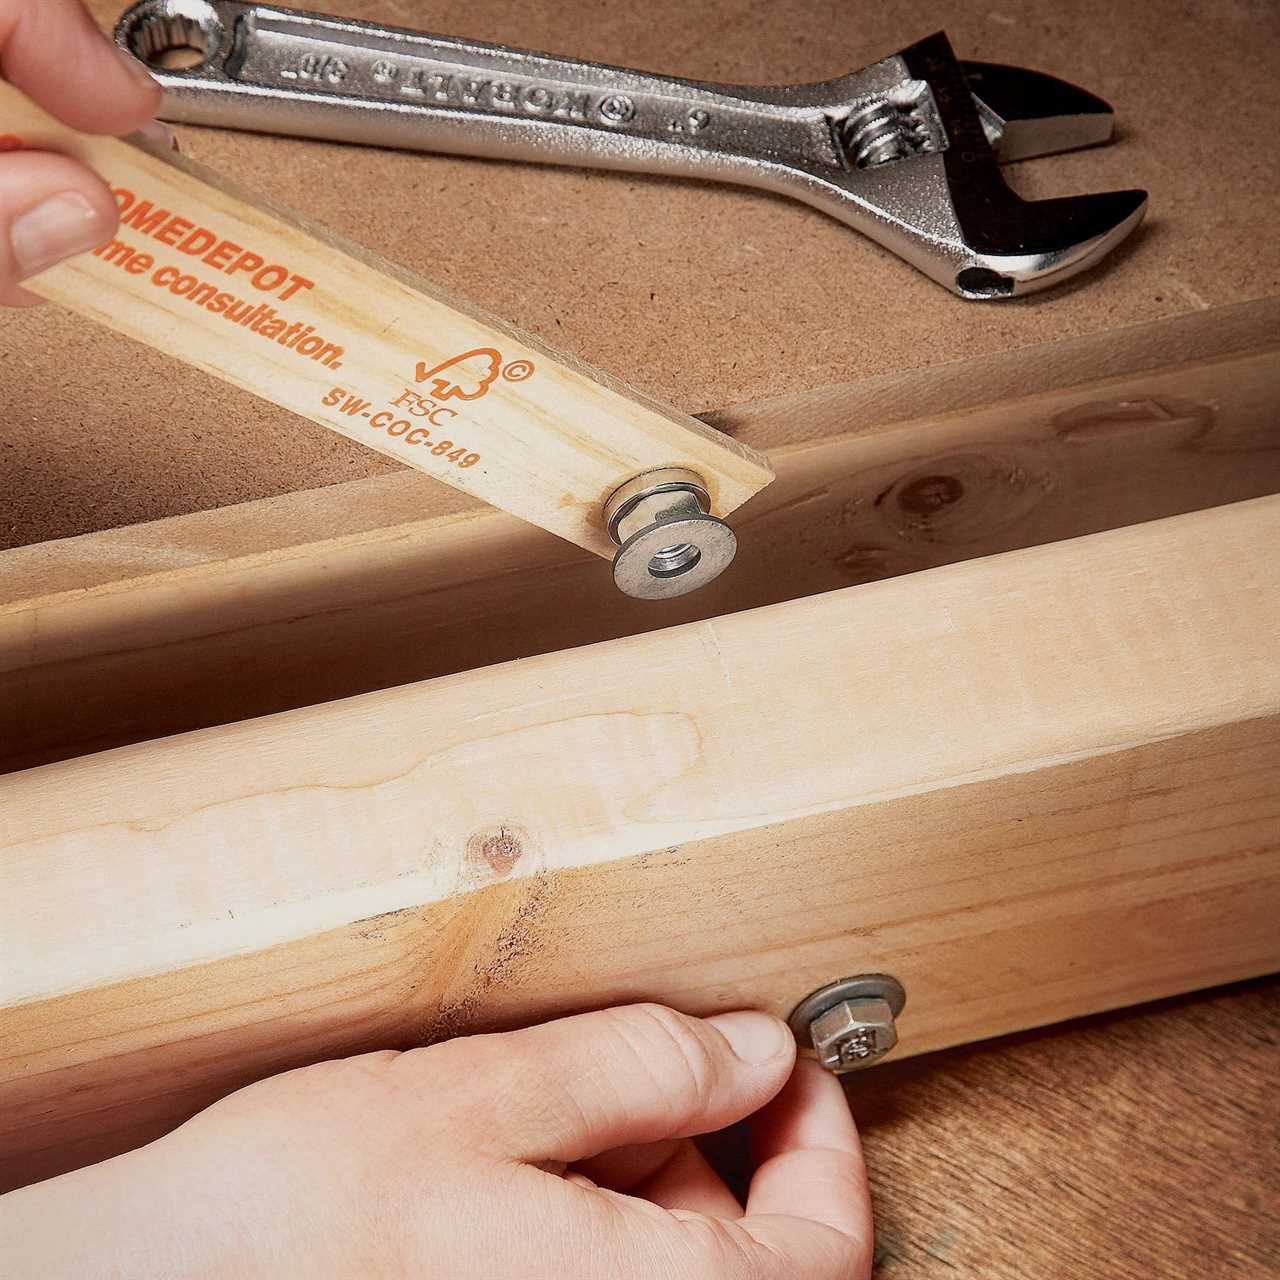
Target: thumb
(52, 51)
(50, 208)
(574, 1088)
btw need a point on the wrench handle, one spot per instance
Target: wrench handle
(274, 70)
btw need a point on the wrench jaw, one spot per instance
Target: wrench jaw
(1027, 113)
(1048, 241)
(942, 202)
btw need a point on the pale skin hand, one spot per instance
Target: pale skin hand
(560, 1152)
(50, 206)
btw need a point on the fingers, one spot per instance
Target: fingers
(54, 53)
(808, 1212)
(808, 1157)
(50, 208)
(603, 1233)
(809, 1164)
(686, 1181)
(635, 1078)
(627, 1167)
(571, 1089)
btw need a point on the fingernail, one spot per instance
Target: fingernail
(160, 134)
(137, 68)
(55, 229)
(755, 1037)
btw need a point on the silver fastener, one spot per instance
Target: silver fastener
(669, 543)
(850, 1024)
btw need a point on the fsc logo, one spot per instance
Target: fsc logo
(463, 383)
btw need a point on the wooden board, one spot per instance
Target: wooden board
(705, 297)
(996, 779)
(702, 295)
(199, 267)
(284, 603)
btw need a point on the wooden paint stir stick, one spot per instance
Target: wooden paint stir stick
(206, 273)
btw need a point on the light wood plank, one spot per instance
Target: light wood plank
(204, 272)
(223, 615)
(1031, 785)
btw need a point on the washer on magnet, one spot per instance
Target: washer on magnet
(669, 543)
(674, 557)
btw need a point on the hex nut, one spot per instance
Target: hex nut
(854, 1034)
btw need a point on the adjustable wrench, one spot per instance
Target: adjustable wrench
(906, 150)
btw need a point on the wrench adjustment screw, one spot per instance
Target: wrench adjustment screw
(883, 130)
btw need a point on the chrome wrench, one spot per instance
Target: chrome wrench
(906, 150)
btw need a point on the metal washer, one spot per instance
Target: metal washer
(867, 986)
(633, 565)
(669, 543)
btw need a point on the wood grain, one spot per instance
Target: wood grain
(289, 602)
(996, 780)
(202, 271)
(1124, 1147)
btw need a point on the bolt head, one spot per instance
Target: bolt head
(853, 1034)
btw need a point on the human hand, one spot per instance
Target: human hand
(50, 206)
(562, 1152)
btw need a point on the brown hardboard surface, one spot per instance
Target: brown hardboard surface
(1141, 1145)
(1138, 1145)
(704, 295)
